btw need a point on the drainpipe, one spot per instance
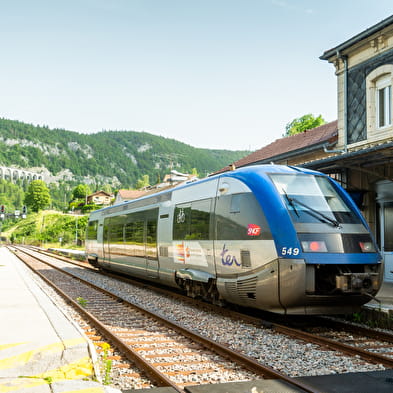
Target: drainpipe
(344, 58)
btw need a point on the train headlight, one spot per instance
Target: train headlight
(366, 246)
(314, 246)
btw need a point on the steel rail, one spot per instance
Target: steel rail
(246, 361)
(372, 333)
(332, 344)
(305, 336)
(159, 378)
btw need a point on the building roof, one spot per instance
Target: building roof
(101, 192)
(357, 38)
(306, 141)
(131, 194)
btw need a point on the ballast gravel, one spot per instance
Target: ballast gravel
(285, 354)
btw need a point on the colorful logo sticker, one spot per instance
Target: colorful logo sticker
(182, 252)
(253, 230)
(189, 252)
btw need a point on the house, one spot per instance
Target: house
(128, 195)
(171, 180)
(357, 149)
(99, 198)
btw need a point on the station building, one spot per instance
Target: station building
(357, 149)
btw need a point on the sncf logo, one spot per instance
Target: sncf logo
(253, 230)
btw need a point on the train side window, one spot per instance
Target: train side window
(240, 217)
(191, 221)
(91, 232)
(134, 241)
(200, 220)
(181, 222)
(151, 239)
(235, 203)
(140, 234)
(106, 230)
(116, 234)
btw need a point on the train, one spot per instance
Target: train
(278, 238)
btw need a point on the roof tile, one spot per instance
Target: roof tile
(316, 136)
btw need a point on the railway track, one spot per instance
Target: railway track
(369, 344)
(169, 354)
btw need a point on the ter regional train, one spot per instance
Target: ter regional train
(277, 238)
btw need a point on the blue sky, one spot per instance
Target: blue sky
(226, 74)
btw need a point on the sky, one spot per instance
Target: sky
(219, 74)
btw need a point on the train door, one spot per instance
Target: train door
(192, 239)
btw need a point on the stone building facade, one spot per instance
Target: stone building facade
(357, 149)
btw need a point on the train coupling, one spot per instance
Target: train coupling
(357, 282)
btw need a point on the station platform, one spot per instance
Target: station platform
(384, 297)
(380, 310)
(41, 350)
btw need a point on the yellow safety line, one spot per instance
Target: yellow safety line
(25, 357)
(15, 385)
(87, 390)
(72, 371)
(11, 387)
(76, 370)
(6, 346)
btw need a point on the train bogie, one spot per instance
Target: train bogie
(271, 237)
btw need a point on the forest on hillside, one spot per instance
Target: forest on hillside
(118, 158)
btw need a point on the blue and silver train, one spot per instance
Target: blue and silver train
(277, 238)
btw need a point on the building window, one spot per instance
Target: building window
(384, 102)
(379, 98)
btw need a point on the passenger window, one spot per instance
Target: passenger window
(151, 239)
(181, 222)
(200, 220)
(240, 217)
(192, 221)
(91, 232)
(235, 203)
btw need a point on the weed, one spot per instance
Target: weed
(48, 380)
(82, 302)
(357, 317)
(106, 364)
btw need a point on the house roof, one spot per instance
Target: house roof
(357, 38)
(131, 194)
(308, 140)
(99, 193)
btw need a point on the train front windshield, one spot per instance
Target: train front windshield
(313, 199)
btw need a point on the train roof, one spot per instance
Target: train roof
(240, 173)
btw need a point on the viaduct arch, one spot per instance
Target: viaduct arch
(14, 174)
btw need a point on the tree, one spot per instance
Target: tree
(81, 191)
(107, 188)
(143, 182)
(37, 196)
(306, 122)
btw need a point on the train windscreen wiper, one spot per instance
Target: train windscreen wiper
(290, 202)
(312, 212)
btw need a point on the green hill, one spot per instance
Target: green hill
(47, 228)
(118, 158)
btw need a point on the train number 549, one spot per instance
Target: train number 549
(289, 251)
